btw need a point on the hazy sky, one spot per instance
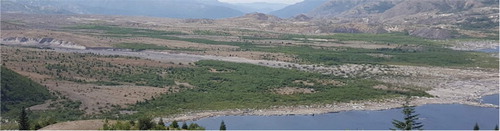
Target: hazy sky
(268, 1)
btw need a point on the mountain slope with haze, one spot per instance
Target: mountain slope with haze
(298, 8)
(155, 8)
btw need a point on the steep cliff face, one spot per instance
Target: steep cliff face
(40, 42)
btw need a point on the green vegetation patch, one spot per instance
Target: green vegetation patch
(209, 32)
(386, 38)
(125, 30)
(63, 110)
(18, 92)
(252, 86)
(422, 56)
(133, 32)
(412, 50)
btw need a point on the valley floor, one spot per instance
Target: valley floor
(120, 67)
(447, 85)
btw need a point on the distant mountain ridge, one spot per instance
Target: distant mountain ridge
(15, 7)
(156, 8)
(303, 7)
(380, 8)
(261, 7)
(436, 19)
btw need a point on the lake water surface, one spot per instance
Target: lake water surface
(491, 99)
(433, 116)
(490, 50)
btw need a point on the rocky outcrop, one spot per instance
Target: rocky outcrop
(40, 42)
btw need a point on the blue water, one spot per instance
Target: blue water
(495, 50)
(491, 99)
(433, 116)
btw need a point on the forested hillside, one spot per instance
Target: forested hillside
(19, 91)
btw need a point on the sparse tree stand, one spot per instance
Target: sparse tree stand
(222, 126)
(476, 127)
(23, 120)
(410, 118)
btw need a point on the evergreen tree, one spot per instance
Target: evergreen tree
(184, 126)
(159, 127)
(174, 125)
(194, 126)
(410, 118)
(145, 124)
(222, 126)
(23, 120)
(37, 126)
(161, 122)
(131, 122)
(476, 127)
